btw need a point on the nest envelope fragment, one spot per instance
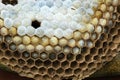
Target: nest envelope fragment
(58, 39)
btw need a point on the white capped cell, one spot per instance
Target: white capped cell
(40, 32)
(58, 33)
(8, 22)
(30, 31)
(21, 30)
(49, 33)
(26, 22)
(81, 43)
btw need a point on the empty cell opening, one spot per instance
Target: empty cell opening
(21, 62)
(70, 57)
(106, 29)
(12, 2)
(61, 56)
(47, 63)
(91, 65)
(65, 64)
(8, 53)
(83, 65)
(77, 71)
(97, 44)
(105, 45)
(30, 62)
(16, 54)
(93, 51)
(38, 77)
(88, 58)
(113, 31)
(100, 51)
(4, 46)
(34, 69)
(17, 68)
(38, 62)
(84, 50)
(4, 60)
(74, 64)
(46, 77)
(51, 71)
(36, 24)
(42, 70)
(56, 77)
(25, 54)
(79, 57)
(13, 61)
(60, 71)
(56, 64)
(68, 71)
(25, 68)
(102, 37)
(52, 56)
(97, 58)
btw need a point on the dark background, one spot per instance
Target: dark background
(4, 75)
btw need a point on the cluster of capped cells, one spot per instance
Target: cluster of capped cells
(58, 39)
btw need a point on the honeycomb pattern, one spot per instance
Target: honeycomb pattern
(63, 62)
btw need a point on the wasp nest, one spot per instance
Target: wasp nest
(58, 39)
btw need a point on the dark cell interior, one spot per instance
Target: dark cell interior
(36, 24)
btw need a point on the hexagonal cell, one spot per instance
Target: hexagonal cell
(35, 55)
(88, 58)
(4, 60)
(8, 53)
(42, 71)
(46, 77)
(25, 55)
(93, 51)
(12, 2)
(56, 77)
(43, 55)
(61, 56)
(60, 71)
(8, 39)
(51, 72)
(69, 71)
(21, 62)
(92, 65)
(12, 46)
(17, 54)
(38, 63)
(26, 68)
(34, 69)
(4, 46)
(83, 65)
(70, 57)
(17, 68)
(52, 56)
(13, 61)
(77, 71)
(47, 63)
(84, 51)
(38, 77)
(30, 62)
(65, 64)
(79, 58)
(74, 64)
(56, 64)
